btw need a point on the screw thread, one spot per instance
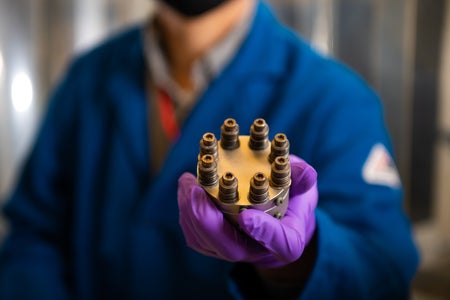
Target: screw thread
(259, 189)
(208, 145)
(228, 188)
(259, 135)
(280, 175)
(207, 170)
(279, 147)
(229, 139)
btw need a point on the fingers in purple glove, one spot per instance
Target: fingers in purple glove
(207, 231)
(303, 176)
(189, 226)
(284, 239)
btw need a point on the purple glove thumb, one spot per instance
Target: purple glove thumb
(287, 238)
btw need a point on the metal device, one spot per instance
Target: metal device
(240, 172)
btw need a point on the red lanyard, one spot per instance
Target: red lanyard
(167, 115)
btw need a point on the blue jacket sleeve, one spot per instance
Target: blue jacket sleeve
(32, 263)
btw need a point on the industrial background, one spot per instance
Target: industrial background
(401, 47)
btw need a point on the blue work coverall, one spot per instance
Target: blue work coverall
(89, 220)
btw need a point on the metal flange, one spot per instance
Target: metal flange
(245, 171)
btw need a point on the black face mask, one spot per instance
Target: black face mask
(192, 8)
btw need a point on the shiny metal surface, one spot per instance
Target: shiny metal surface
(19, 87)
(244, 162)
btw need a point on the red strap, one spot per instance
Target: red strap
(167, 115)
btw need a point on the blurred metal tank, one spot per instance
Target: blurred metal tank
(442, 163)
(313, 19)
(20, 27)
(377, 39)
(37, 39)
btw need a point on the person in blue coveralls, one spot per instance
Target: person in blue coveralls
(107, 205)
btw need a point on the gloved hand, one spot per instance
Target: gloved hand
(267, 241)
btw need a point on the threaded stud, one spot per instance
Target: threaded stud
(280, 175)
(279, 147)
(207, 170)
(259, 189)
(208, 145)
(259, 135)
(229, 139)
(228, 188)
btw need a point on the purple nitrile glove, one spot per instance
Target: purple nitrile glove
(267, 241)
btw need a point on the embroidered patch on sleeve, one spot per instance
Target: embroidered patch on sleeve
(380, 168)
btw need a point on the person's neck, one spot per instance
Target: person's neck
(187, 39)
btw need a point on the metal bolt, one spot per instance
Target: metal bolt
(278, 201)
(208, 145)
(207, 170)
(229, 139)
(259, 133)
(259, 189)
(280, 175)
(228, 188)
(279, 147)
